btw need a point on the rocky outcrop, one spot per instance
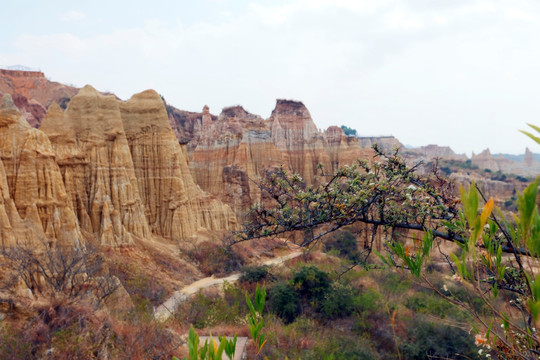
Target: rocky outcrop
(33, 93)
(430, 152)
(231, 150)
(485, 160)
(529, 167)
(294, 133)
(95, 160)
(175, 206)
(385, 143)
(500, 191)
(343, 149)
(34, 205)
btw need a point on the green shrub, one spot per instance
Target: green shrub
(343, 348)
(394, 283)
(344, 243)
(214, 259)
(348, 131)
(204, 311)
(284, 302)
(13, 345)
(311, 282)
(429, 340)
(430, 304)
(339, 302)
(254, 274)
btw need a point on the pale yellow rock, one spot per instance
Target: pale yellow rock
(34, 205)
(94, 156)
(175, 206)
(233, 152)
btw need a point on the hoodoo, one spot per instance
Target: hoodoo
(34, 205)
(175, 206)
(97, 167)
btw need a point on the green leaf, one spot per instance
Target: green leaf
(535, 138)
(495, 290)
(470, 203)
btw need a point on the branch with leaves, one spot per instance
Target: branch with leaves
(385, 192)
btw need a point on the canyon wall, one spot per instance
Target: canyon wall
(94, 157)
(228, 153)
(33, 93)
(175, 206)
(529, 167)
(101, 170)
(34, 204)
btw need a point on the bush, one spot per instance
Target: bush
(284, 302)
(430, 340)
(338, 302)
(206, 311)
(311, 283)
(344, 243)
(214, 259)
(342, 348)
(254, 274)
(140, 286)
(13, 345)
(394, 283)
(430, 304)
(348, 131)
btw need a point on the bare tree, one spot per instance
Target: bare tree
(70, 272)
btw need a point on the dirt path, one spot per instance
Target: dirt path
(165, 310)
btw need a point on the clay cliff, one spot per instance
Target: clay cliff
(529, 167)
(429, 152)
(175, 206)
(34, 204)
(386, 143)
(102, 169)
(94, 157)
(231, 150)
(32, 93)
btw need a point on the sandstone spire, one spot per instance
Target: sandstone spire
(97, 167)
(34, 205)
(175, 206)
(295, 133)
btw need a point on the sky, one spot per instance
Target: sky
(458, 73)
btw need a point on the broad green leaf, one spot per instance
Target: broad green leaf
(535, 138)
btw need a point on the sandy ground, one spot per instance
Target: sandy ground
(165, 310)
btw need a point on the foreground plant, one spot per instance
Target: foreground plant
(211, 350)
(255, 318)
(498, 262)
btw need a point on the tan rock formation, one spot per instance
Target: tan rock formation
(34, 205)
(485, 160)
(233, 149)
(430, 152)
(236, 147)
(500, 191)
(386, 143)
(32, 93)
(529, 167)
(175, 206)
(343, 149)
(294, 133)
(97, 168)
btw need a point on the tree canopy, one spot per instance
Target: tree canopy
(498, 257)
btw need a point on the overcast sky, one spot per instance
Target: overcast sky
(451, 72)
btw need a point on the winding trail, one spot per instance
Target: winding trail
(165, 310)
